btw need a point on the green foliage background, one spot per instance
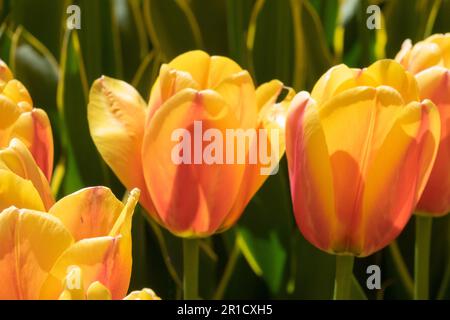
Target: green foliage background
(295, 41)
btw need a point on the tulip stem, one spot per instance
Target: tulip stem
(422, 257)
(190, 267)
(343, 277)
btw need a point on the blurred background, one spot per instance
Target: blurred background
(264, 256)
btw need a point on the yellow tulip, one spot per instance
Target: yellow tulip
(360, 150)
(429, 60)
(20, 120)
(86, 235)
(190, 200)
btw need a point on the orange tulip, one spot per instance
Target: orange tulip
(85, 237)
(359, 150)
(195, 199)
(20, 120)
(429, 60)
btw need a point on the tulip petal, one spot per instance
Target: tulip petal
(390, 73)
(99, 259)
(30, 243)
(98, 291)
(144, 294)
(239, 92)
(212, 187)
(434, 84)
(391, 190)
(310, 171)
(88, 213)
(17, 92)
(19, 192)
(34, 129)
(356, 123)
(116, 114)
(5, 74)
(19, 160)
(272, 118)
(10, 112)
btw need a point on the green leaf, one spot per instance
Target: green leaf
(44, 18)
(172, 27)
(84, 160)
(263, 231)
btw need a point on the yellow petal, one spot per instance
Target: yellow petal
(17, 92)
(98, 291)
(19, 192)
(30, 243)
(88, 213)
(239, 92)
(390, 73)
(144, 294)
(34, 129)
(99, 259)
(10, 113)
(19, 160)
(5, 74)
(116, 115)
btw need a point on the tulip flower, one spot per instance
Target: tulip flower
(360, 150)
(429, 61)
(136, 141)
(20, 120)
(85, 236)
(151, 147)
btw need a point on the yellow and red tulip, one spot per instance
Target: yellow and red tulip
(89, 230)
(360, 150)
(20, 120)
(135, 139)
(429, 60)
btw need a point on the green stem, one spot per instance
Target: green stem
(343, 277)
(190, 267)
(402, 269)
(422, 257)
(229, 268)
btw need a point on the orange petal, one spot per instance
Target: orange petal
(30, 243)
(99, 259)
(116, 115)
(272, 119)
(88, 213)
(310, 173)
(34, 129)
(19, 160)
(191, 196)
(434, 84)
(398, 173)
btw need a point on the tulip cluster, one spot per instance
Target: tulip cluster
(365, 149)
(76, 248)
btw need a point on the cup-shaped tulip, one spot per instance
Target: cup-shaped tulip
(183, 149)
(18, 119)
(359, 150)
(83, 241)
(429, 61)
